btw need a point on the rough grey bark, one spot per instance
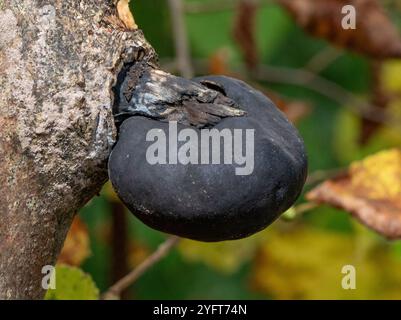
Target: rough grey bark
(58, 64)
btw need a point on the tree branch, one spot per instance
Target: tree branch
(58, 64)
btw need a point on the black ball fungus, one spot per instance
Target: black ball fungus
(212, 201)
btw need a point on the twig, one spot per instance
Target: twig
(115, 290)
(323, 59)
(305, 207)
(216, 6)
(180, 38)
(313, 178)
(294, 212)
(320, 175)
(325, 87)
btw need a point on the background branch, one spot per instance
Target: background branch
(114, 292)
(312, 81)
(180, 38)
(323, 59)
(197, 7)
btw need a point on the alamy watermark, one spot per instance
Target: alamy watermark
(49, 279)
(206, 146)
(349, 19)
(348, 282)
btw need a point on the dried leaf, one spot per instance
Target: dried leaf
(371, 191)
(76, 246)
(374, 35)
(244, 32)
(125, 15)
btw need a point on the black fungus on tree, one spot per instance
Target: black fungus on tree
(207, 202)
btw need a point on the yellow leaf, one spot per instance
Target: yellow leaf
(378, 176)
(371, 191)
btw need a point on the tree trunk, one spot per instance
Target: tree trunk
(58, 63)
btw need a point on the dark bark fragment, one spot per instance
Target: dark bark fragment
(159, 95)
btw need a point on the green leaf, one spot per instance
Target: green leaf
(290, 214)
(72, 284)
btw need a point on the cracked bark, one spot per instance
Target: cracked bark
(58, 64)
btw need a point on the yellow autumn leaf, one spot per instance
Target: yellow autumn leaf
(371, 191)
(378, 176)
